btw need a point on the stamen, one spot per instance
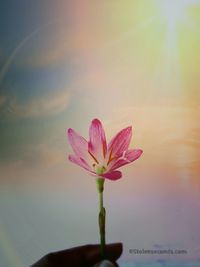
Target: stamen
(104, 150)
(110, 158)
(93, 157)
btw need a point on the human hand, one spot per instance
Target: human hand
(83, 256)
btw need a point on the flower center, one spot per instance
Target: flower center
(99, 169)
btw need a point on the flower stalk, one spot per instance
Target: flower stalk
(102, 217)
(102, 160)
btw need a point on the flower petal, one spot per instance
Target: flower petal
(78, 143)
(119, 143)
(133, 154)
(114, 175)
(128, 157)
(97, 145)
(79, 161)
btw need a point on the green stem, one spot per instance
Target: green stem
(102, 217)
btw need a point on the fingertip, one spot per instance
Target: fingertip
(106, 263)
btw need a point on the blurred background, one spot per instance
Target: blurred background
(63, 63)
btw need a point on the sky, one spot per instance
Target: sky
(63, 63)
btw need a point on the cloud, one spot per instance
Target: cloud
(2, 100)
(46, 48)
(40, 163)
(54, 53)
(43, 106)
(35, 156)
(43, 154)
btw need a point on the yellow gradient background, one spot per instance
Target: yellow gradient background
(126, 63)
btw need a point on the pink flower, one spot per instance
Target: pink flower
(97, 157)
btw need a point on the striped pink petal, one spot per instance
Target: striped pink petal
(79, 144)
(79, 161)
(128, 157)
(96, 157)
(114, 175)
(97, 146)
(119, 143)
